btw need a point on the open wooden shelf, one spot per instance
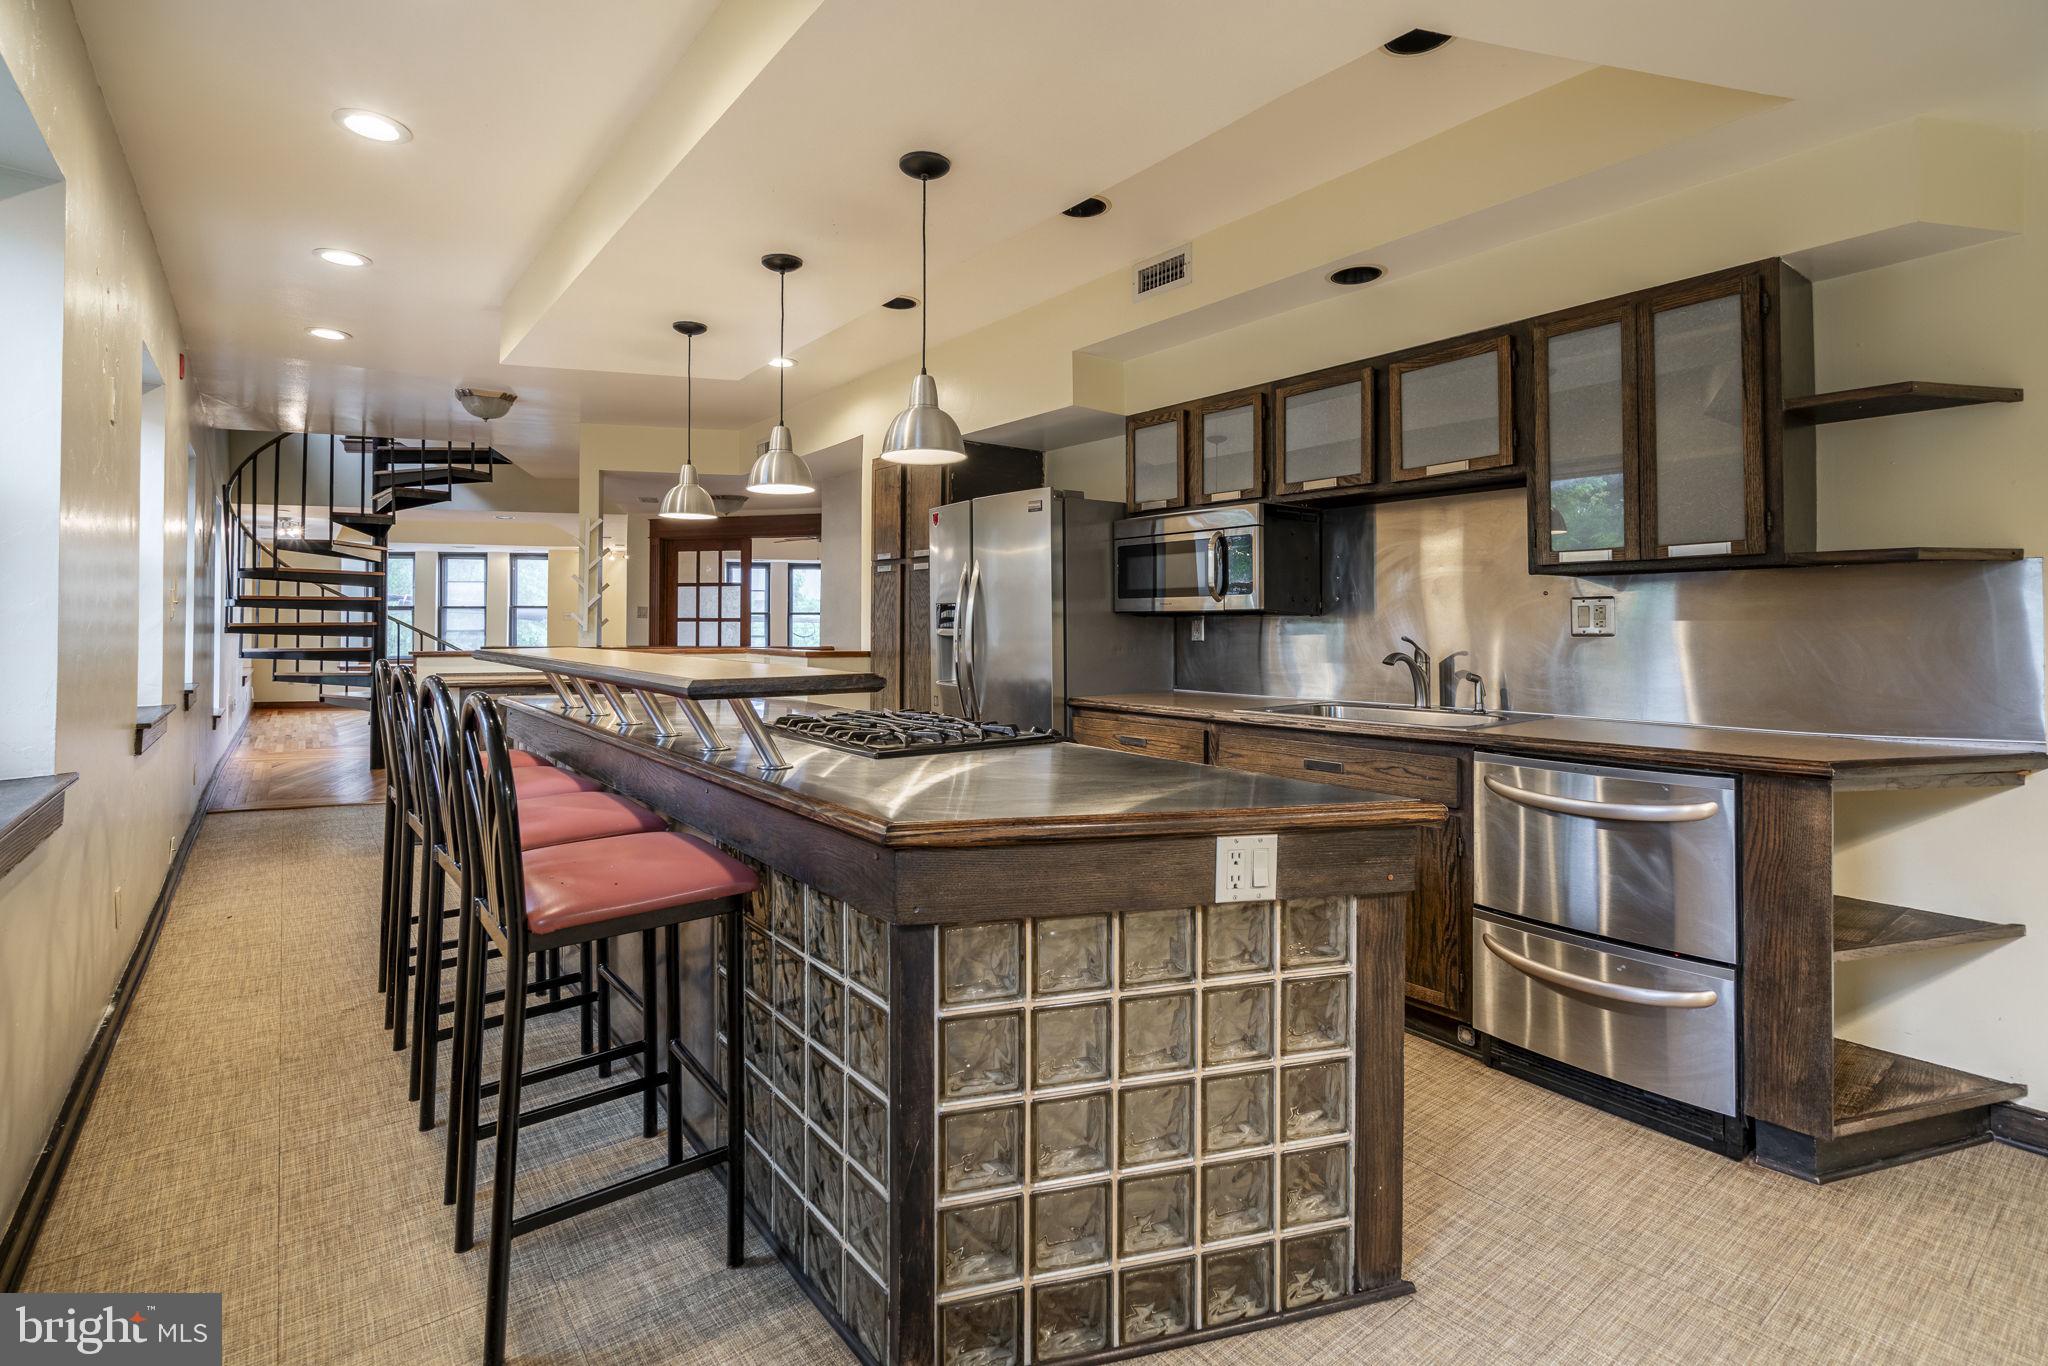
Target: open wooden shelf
(1875, 1089)
(1873, 929)
(1910, 554)
(1884, 400)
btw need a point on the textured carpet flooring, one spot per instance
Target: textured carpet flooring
(252, 1137)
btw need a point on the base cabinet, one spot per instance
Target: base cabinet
(1439, 937)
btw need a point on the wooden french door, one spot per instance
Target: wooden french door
(703, 591)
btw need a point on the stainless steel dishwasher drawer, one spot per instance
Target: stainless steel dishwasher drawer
(1644, 1019)
(1625, 853)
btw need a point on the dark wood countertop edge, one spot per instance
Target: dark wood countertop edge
(1355, 815)
(1959, 759)
(31, 810)
(702, 689)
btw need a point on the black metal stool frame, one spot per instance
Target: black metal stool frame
(491, 821)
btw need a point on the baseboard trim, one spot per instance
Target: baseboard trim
(2020, 1127)
(1824, 1160)
(19, 1242)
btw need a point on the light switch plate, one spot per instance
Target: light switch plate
(1247, 866)
(1592, 616)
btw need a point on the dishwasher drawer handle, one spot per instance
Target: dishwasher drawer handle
(1593, 986)
(1323, 765)
(1134, 741)
(1606, 811)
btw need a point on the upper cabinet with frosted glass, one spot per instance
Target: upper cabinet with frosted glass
(1656, 431)
(1227, 448)
(1450, 410)
(1156, 460)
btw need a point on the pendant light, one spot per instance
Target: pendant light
(689, 501)
(780, 469)
(923, 433)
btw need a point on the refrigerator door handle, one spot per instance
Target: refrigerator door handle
(963, 638)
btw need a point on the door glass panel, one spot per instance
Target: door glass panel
(1155, 462)
(1229, 441)
(1324, 440)
(707, 566)
(707, 602)
(728, 633)
(1700, 403)
(1450, 412)
(1584, 387)
(686, 632)
(729, 601)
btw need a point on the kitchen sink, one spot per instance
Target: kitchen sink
(1388, 713)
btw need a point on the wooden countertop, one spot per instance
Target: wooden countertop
(1849, 761)
(701, 676)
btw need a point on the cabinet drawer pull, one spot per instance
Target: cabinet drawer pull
(1323, 765)
(1134, 741)
(1593, 986)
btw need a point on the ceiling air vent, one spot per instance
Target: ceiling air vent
(1169, 270)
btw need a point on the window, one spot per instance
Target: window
(529, 599)
(398, 590)
(462, 602)
(757, 604)
(806, 604)
(709, 596)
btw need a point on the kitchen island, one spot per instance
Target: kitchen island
(1019, 1087)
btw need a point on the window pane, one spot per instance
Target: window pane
(729, 602)
(707, 566)
(529, 626)
(728, 633)
(463, 627)
(686, 633)
(757, 629)
(803, 630)
(707, 602)
(805, 586)
(462, 568)
(530, 580)
(398, 579)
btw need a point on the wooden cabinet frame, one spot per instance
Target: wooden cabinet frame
(1362, 376)
(1255, 400)
(1748, 286)
(1541, 550)
(1502, 345)
(1178, 417)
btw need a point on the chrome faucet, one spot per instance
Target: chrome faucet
(1417, 663)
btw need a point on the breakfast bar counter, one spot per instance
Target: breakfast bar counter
(1021, 1087)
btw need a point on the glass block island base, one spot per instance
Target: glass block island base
(996, 1115)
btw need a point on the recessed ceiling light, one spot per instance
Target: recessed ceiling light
(900, 302)
(338, 256)
(1090, 207)
(1417, 41)
(782, 362)
(1356, 275)
(376, 127)
(327, 333)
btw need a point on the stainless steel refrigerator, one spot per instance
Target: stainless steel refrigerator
(1022, 615)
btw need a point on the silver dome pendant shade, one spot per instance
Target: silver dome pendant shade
(923, 433)
(689, 501)
(779, 469)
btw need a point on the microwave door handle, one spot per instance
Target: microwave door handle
(963, 638)
(1593, 986)
(1217, 587)
(1605, 811)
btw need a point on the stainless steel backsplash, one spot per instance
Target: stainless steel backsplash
(1930, 650)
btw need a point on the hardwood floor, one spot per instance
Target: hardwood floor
(299, 756)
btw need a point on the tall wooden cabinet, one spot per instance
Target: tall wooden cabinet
(901, 500)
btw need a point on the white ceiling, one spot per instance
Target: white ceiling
(1187, 113)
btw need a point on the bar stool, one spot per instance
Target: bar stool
(571, 894)
(582, 813)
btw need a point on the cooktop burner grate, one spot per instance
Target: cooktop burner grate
(889, 734)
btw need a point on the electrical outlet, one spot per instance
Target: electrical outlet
(1246, 867)
(1592, 616)
(1198, 629)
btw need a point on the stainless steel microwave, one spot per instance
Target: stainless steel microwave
(1249, 557)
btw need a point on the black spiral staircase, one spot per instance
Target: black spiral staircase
(310, 517)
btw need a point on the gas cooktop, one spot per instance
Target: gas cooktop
(889, 734)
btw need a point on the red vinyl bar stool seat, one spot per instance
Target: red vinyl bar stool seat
(549, 782)
(571, 817)
(595, 882)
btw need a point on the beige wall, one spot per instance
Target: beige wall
(70, 914)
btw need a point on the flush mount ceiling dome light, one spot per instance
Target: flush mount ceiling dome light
(366, 123)
(1417, 41)
(923, 433)
(327, 333)
(689, 501)
(1356, 275)
(779, 469)
(486, 405)
(341, 256)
